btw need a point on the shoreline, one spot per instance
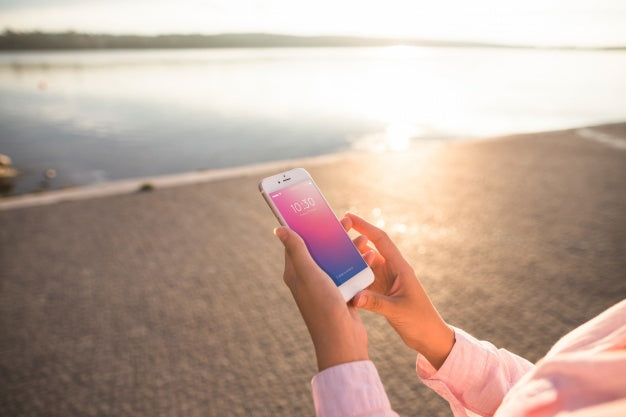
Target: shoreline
(133, 185)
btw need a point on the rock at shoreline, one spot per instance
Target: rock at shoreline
(50, 173)
(7, 171)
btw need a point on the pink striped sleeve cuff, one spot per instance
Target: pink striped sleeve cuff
(475, 377)
(350, 389)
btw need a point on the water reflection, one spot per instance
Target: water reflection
(396, 137)
(97, 116)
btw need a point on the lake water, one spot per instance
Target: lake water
(96, 116)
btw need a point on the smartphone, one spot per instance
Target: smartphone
(298, 203)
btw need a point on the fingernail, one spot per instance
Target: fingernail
(281, 233)
(361, 300)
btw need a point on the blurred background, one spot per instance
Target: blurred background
(343, 76)
(170, 302)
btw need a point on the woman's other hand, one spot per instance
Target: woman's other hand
(398, 295)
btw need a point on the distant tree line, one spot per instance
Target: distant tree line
(11, 40)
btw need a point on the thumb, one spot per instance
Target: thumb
(295, 247)
(372, 301)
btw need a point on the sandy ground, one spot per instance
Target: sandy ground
(171, 302)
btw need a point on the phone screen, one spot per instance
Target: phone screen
(306, 212)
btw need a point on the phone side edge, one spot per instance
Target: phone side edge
(359, 282)
(271, 205)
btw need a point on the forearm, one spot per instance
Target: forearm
(330, 351)
(423, 329)
(338, 336)
(436, 338)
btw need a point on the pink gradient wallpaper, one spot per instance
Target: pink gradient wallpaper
(306, 212)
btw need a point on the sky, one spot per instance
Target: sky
(534, 22)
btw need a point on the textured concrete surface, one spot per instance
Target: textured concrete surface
(171, 302)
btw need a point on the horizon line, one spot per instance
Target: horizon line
(326, 40)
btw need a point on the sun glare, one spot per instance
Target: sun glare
(398, 136)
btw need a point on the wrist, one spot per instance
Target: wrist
(340, 345)
(441, 339)
(329, 357)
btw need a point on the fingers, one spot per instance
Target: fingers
(346, 222)
(369, 254)
(361, 243)
(370, 257)
(378, 237)
(372, 301)
(295, 248)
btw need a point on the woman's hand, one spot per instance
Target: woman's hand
(335, 327)
(398, 295)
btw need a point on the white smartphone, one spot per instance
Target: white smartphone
(298, 203)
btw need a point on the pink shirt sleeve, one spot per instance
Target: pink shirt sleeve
(582, 376)
(350, 389)
(475, 377)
